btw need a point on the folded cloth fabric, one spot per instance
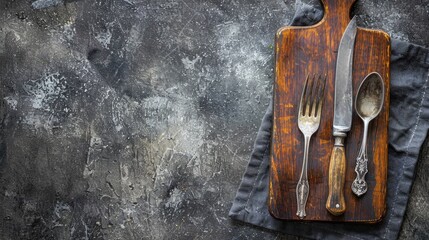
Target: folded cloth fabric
(409, 115)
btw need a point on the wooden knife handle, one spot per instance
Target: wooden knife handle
(335, 203)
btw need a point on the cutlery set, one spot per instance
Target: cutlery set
(328, 76)
(368, 104)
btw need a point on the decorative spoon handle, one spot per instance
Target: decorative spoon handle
(359, 185)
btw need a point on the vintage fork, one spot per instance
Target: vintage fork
(310, 108)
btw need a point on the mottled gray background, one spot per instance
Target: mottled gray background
(134, 119)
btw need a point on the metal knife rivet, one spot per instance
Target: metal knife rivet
(337, 206)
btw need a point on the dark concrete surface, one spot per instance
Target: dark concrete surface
(134, 119)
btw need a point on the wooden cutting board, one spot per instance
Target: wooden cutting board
(313, 50)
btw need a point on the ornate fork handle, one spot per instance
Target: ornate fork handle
(302, 188)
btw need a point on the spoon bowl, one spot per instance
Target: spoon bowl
(370, 96)
(369, 102)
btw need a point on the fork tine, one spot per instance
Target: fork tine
(321, 98)
(308, 96)
(303, 94)
(315, 96)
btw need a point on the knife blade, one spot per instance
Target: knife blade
(343, 103)
(342, 121)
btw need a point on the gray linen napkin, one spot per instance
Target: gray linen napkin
(409, 115)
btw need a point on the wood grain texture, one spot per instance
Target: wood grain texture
(335, 203)
(313, 50)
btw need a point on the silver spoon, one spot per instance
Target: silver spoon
(369, 101)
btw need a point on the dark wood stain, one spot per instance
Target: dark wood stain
(302, 50)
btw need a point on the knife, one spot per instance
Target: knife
(343, 107)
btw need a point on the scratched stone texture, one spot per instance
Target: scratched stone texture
(134, 119)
